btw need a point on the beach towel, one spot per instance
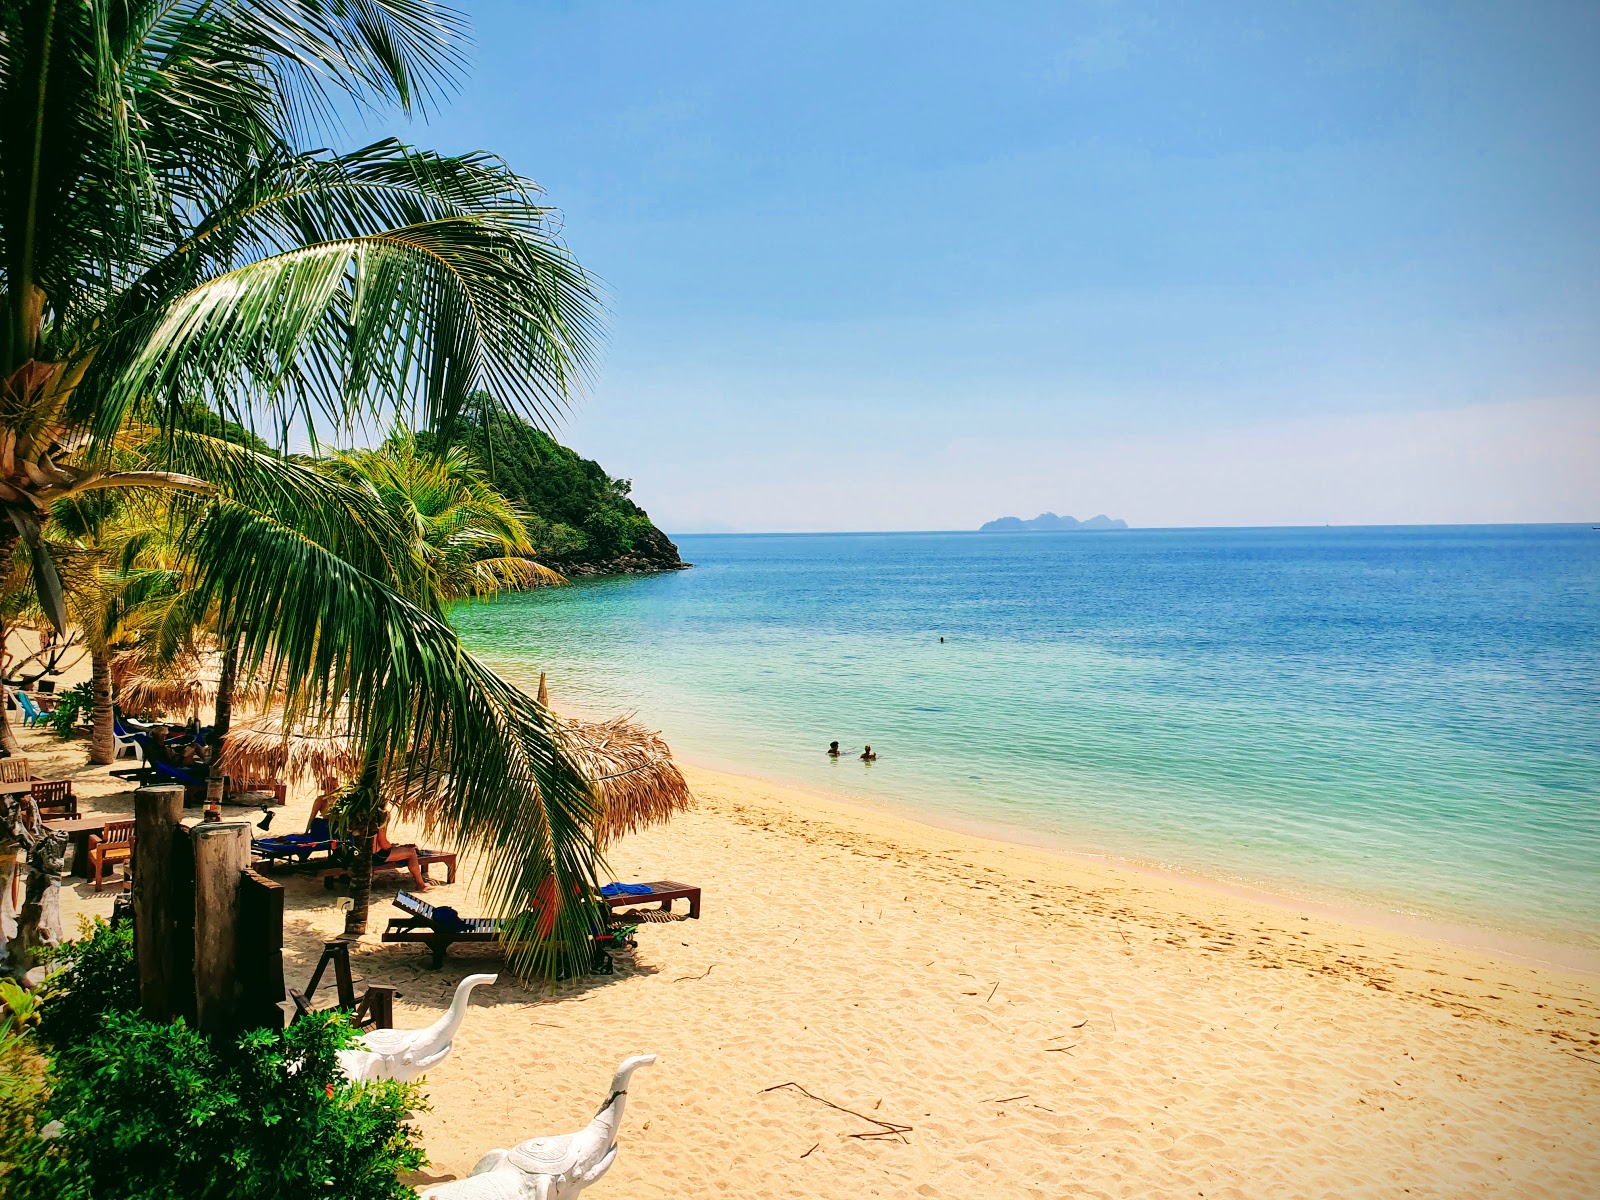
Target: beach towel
(625, 889)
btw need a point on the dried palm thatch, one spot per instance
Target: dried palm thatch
(184, 689)
(631, 769)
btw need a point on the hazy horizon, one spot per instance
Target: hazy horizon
(920, 265)
(676, 533)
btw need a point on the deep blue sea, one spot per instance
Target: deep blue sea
(1402, 717)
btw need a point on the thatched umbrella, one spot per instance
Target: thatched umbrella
(185, 687)
(631, 767)
(168, 694)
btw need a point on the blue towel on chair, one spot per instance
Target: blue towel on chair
(625, 889)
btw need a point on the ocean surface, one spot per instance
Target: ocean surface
(1406, 718)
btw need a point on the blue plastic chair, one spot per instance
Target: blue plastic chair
(30, 714)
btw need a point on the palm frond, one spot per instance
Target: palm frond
(344, 645)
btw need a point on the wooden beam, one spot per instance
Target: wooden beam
(157, 902)
(221, 856)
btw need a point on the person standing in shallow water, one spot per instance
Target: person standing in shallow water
(833, 749)
(868, 756)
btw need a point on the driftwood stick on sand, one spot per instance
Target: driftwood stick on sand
(807, 1154)
(702, 975)
(885, 1128)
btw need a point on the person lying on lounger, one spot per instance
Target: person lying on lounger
(386, 853)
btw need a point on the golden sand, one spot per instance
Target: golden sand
(1038, 1025)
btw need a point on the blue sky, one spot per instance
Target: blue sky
(884, 265)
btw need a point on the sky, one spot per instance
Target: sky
(876, 265)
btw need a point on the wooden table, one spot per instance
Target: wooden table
(17, 788)
(78, 831)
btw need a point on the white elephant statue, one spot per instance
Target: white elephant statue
(550, 1168)
(404, 1054)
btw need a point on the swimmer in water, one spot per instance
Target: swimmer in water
(833, 749)
(868, 756)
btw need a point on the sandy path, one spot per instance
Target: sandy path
(1045, 1027)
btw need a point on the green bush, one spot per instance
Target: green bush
(70, 705)
(88, 978)
(150, 1110)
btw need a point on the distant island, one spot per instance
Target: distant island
(1050, 523)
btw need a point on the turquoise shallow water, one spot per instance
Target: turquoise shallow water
(1404, 717)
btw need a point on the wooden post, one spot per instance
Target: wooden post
(156, 901)
(221, 856)
(261, 951)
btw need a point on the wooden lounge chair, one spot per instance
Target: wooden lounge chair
(664, 890)
(55, 799)
(438, 929)
(114, 843)
(318, 839)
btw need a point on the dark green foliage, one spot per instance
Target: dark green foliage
(150, 1110)
(580, 513)
(72, 704)
(89, 977)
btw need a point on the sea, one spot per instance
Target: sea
(1406, 719)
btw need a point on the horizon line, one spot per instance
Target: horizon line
(1594, 523)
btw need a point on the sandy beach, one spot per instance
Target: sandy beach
(1002, 1021)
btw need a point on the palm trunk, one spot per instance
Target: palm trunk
(103, 741)
(363, 837)
(366, 820)
(223, 717)
(8, 735)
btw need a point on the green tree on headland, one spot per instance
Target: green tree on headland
(579, 515)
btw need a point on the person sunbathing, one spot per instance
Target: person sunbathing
(386, 853)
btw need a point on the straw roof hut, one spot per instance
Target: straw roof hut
(630, 766)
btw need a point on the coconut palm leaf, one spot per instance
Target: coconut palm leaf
(492, 761)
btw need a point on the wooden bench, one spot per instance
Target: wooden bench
(114, 843)
(664, 890)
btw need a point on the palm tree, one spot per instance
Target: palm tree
(469, 541)
(472, 541)
(164, 240)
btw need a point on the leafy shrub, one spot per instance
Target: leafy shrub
(70, 705)
(29, 1166)
(89, 977)
(162, 1112)
(151, 1110)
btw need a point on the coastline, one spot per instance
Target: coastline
(1347, 911)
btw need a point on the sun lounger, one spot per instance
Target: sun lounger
(318, 839)
(666, 891)
(440, 928)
